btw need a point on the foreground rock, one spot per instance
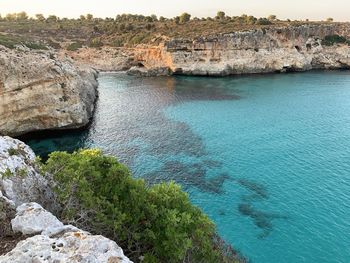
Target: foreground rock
(30, 233)
(40, 92)
(20, 181)
(31, 219)
(55, 242)
(285, 49)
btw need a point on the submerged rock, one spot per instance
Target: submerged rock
(38, 92)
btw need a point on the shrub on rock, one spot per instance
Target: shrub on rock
(155, 223)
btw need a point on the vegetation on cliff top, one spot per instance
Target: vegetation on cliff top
(129, 30)
(154, 223)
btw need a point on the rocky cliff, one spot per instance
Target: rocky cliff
(297, 48)
(38, 91)
(29, 232)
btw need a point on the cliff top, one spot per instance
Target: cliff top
(128, 30)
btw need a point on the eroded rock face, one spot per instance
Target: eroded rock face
(55, 242)
(103, 59)
(40, 92)
(285, 49)
(20, 181)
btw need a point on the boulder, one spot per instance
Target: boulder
(71, 247)
(56, 242)
(32, 219)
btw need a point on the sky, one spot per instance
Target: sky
(292, 9)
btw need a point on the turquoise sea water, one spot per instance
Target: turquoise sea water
(267, 157)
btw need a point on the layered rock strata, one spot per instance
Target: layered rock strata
(39, 92)
(284, 49)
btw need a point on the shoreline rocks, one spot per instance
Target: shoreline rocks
(39, 92)
(285, 49)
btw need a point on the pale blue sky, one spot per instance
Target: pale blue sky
(293, 9)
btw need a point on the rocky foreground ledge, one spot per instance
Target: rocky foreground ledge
(28, 231)
(39, 91)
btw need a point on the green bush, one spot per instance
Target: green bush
(333, 39)
(95, 42)
(157, 223)
(74, 46)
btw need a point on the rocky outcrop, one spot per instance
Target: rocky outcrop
(32, 233)
(19, 179)
(38, 92)
(102, 59)
(284, 49)
(54, 242)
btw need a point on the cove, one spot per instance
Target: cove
(266, 157)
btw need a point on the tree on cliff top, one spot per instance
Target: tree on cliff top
(272, 17)
(220, 15)
(184, 18)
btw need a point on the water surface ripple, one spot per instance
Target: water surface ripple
(267, 157)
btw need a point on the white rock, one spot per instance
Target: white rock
(72, 247)
(31, 219)
(24, 184)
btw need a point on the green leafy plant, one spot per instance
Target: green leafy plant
(74, 46)
(7, 173)
(156, 223)
(13, 151)
(330, 40)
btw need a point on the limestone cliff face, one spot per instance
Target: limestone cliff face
(40, 92)
(284, 49)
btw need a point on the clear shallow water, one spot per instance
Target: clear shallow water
(267, 157)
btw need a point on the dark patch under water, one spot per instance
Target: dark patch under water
(266, 157)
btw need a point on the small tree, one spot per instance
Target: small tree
(89, 17)
(220, 15)
(40, 17)
(329, 19)
(272, 17)
(11, 17)
(184, 18)
(154, 18)
(82, 17)
(52, 18)
(21, 16)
